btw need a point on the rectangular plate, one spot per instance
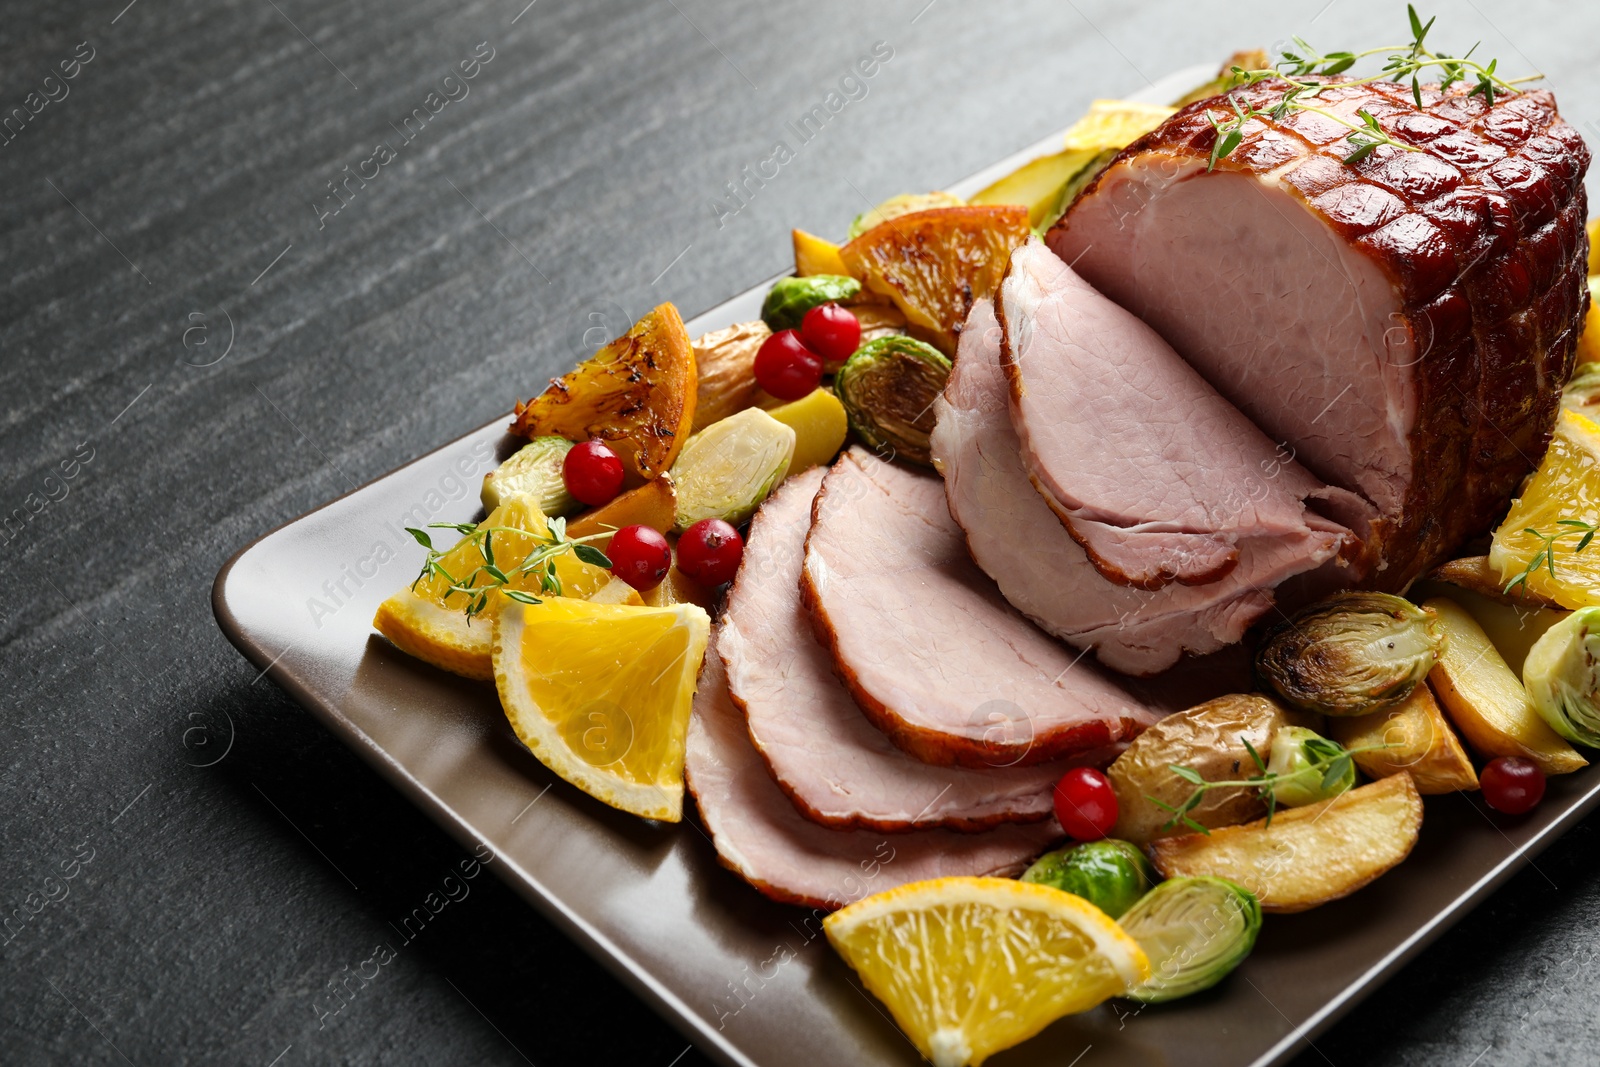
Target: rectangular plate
(750, 981)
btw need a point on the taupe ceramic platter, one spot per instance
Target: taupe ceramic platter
(750, 981)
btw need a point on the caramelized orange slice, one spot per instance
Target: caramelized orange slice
(637, 394)
(933, 264)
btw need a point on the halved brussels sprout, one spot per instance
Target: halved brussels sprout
(1582, 392)
(1309, 767)
(727, 469)
(1195, 931)
(1562, 676)
(888, 387)
(1112, 875)
(1351, 653)
(534, 470)
(790, 298)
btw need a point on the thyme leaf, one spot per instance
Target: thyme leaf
(1546, 556)
(538, 566)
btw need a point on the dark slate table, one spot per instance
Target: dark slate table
(223, 305)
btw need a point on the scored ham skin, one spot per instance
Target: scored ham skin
(931, 651)
(1156, 475)
(760, 836)
(1404, 322)
(837, 768)
(1020, 543)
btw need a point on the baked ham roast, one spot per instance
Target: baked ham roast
(760, 836)
(834, 765)
(1404, 323)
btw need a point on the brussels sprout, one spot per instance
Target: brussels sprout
(1109, 874)
(1308, 767)
(1195, 931)
(1351, 653)
(888, 387)
(904, 204)
(727, 469)
(790, 298)
(534, 470)
(1562, 676)
(1582, 393)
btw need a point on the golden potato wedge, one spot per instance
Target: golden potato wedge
(725, 360)
(1513, 623)
(1208, 738)
(1420, 742)
(815, 255)
(1475, 573)
(1486, 701)
(1309, 855)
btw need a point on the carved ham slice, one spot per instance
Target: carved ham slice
(931, 651)
(835, 766)
(760, 836)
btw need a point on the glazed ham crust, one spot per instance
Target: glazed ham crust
(1478, 236)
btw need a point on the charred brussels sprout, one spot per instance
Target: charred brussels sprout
(888, 387)
(790, 298)
(1351, 653)
(727, 469)
(1195, 931)
(1109, 874)
(1562, 676)
(1309, 767)
(534, 470)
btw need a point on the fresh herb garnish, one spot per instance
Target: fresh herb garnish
(488, 576)
(1328, 759)
(1305, 69)
(1546, 556)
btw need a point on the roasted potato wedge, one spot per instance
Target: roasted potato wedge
(1487, 702)
(726, 380)
(1513, 623)
(1475, 573)
(636, 393)
(653, 504)
(1309, 855)
(1420, 743)
(1208, 738)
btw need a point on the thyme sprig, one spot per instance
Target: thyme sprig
(1305, 70)
(489, 576)
(1546, 556)
(1327, 759)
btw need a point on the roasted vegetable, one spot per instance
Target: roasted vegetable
(790, 298)
(1195, 931)
(1209, 738)
(1416, 739)
(1115, 124)
(1582, 392)
(725, 360)
(934, 264)
(819, 424)
(896, 206)
(637, 394)
(1562, 676)
(653, 504)
(1109, 874)
(533, 470)
(1309, 855)
(815, 255)
(888, 388)
(1039, 184)
(1308, 767)
(727, 469)
(1477, 575)
(877, 320)
(1350, 654)
(1487, 702)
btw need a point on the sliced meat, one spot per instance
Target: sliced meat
(837, 768)
(1156, 475)
(760, 836)
(1015, 537)
(931, 651)
(1404, 322)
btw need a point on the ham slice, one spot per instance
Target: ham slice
(1404, 322)
(1019, 542)
(837, 768)
(1156, 475)
(760, 836)
(933, 654)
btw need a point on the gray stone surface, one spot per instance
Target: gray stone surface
(230, 860)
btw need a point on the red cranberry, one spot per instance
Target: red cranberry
(831, 332)
(639, 556)
(1512, 784)
(1086, 805)
(710, 551)
(592, 473)
(786, 368)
